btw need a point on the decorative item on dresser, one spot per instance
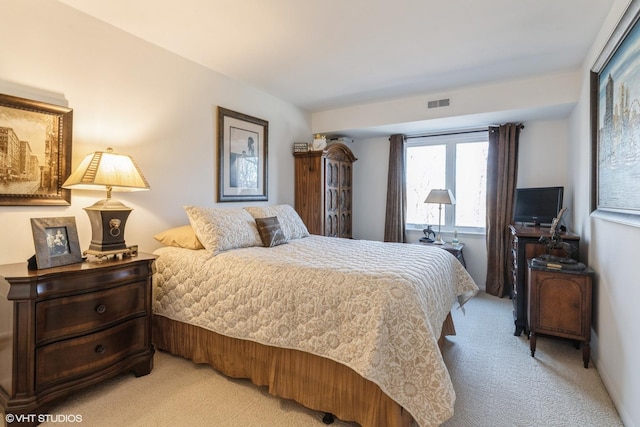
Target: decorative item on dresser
(323, 190)
(319, 142)
(525, 245)
(55, 241)
(65, 328)
(300, 147)
(559, 304)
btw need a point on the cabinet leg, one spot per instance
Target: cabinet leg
(532, 343)
(144, 367)
(586, 354)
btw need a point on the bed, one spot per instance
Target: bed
(347, 327)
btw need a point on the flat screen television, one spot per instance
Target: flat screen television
(537, 205)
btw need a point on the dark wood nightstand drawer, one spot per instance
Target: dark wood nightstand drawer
(89, 279)
(91, 353)
(63, 317)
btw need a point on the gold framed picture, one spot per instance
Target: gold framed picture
(35, 152)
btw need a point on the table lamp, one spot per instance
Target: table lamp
(441, 197)
(112, 172)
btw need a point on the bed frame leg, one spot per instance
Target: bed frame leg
(328, 418)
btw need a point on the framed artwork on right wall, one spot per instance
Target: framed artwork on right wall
(615, 124)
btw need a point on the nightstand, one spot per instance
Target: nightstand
(559, 304)
(455, 250)
(69, 327)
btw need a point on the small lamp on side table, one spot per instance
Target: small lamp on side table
(441, 197)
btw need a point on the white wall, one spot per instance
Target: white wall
(543, 154)
(612, 253)
(140, 100)
(543, 159)
(535, 98)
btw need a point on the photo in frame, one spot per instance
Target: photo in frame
(35, 152)
(242, 157)
(615, 124)
(56, 242)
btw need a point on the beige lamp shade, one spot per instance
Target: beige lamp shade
(106, 169)
(108, 217)
(444, 197)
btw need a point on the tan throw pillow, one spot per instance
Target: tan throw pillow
(292, 225)
(221, 229)
(181, 237)
(270, 231)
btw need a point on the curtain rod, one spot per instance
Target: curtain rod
(447, 133)
(454, 133)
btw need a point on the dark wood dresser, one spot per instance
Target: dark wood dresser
(323, 190)
(559, 304)
(65, 328)
(525, 245)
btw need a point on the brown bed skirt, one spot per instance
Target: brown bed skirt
(315, 382)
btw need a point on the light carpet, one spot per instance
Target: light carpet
(496, 380)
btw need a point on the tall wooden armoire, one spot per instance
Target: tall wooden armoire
(323, 190)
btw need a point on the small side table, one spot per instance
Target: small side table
(560, 305)
(455, 250)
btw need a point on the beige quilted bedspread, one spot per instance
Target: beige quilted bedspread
(375, 307)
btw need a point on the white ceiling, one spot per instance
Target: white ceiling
(324, 54)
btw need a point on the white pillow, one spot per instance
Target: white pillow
(220, 229)
(292, 225)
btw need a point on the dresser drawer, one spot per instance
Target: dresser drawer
(88, 279)
(66, 316)
(85, 355)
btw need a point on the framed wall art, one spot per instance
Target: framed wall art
(242, 157)
(35, 152)
(615, 124)
(56, 242)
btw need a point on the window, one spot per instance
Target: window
(457, 162)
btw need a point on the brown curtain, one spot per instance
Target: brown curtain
(502, 173)
(396, 213)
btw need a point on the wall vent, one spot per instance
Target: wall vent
(438, 103)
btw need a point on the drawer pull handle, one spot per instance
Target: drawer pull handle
(99, 349)
(101, 309)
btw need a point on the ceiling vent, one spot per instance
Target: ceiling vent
(438, 103)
